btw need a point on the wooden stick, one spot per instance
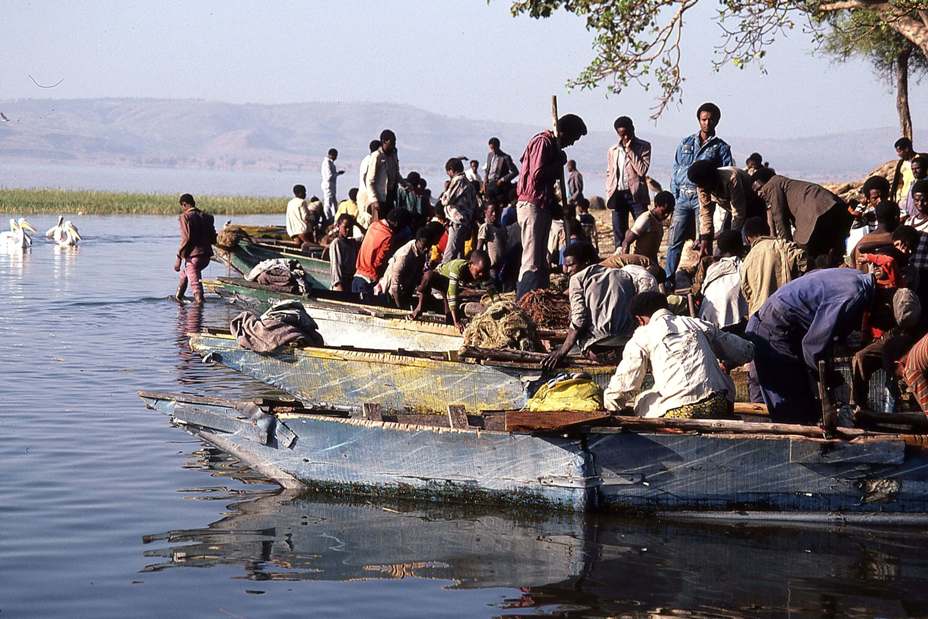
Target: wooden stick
(562, 186)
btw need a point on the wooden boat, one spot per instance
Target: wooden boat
(245, 254)
(343, 323)
(405, 380)
(684, 468)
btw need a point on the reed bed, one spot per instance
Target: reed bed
(60, 201)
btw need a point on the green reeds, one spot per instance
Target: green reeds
(59, 201)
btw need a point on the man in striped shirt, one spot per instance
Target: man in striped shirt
(448, 278)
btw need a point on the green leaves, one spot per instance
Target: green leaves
(638, 41)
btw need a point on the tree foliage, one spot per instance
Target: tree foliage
(864, 34)
(639, 41)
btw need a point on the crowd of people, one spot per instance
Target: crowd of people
(758, 269)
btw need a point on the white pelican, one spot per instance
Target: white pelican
(64, 233)
(17, 237)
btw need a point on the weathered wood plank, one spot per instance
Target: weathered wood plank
(285, 436)
(750, 408)
(217, 419)
(371, 411)
(457, 417)
(529, 421)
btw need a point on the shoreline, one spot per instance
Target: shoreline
(43, 201)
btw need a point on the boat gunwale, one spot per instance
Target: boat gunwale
(413, 358)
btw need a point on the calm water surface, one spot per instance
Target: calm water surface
(108, 511)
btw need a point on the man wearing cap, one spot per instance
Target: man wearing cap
(542, 165)
(703, 145)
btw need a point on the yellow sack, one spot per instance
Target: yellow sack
(571, 394)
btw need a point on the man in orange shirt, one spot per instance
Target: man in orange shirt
(375, 252)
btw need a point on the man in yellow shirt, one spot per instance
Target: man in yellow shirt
(902, 177)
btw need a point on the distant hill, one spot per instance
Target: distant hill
(195, 134)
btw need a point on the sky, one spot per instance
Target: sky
(461, 58)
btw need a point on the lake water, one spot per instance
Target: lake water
(108, 511)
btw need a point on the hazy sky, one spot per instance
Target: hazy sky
(461, 58)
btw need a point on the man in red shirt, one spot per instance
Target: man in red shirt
(197, 235)
(375, 252)
(542, 164)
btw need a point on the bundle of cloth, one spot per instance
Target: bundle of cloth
(284, 324)
(280, 275)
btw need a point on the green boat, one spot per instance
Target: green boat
(244, 254)
(344, 323)
(416, 382)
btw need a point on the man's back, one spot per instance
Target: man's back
(375, 251)
(297, 216)
(769, 265)
(540, 165)
(811, 311)
(723, 304)
(599, 303)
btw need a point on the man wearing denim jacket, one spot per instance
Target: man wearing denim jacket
(704, 145)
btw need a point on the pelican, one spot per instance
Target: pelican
(64, 233)
(17, 237)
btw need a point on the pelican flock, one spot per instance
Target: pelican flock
(64, 233)
(17, 237)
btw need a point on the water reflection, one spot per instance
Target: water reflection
(566, 564)
(189, 320)
(286, 536)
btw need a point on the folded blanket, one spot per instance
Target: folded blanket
(284, 324)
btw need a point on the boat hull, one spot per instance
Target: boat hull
(245, 255)
(349, 324)
(689, 475)
(358, 456)
(393, 381)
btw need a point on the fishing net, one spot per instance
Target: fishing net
(502, 325)
(557, 282)
(547, 309)
(229, 236)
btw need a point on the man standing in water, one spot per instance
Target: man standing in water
(542, 164)
(197, 235)
(329, 181)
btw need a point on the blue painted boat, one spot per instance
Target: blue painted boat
(687, 469)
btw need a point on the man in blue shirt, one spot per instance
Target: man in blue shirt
(704, 145)
(796, 327)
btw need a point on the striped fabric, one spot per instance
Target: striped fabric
(916, 365)
(919, 258)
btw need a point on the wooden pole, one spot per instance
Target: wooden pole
(562, 186)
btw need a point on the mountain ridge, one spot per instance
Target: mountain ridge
(215, 135)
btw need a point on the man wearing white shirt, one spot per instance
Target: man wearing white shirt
(684, 355)
(362, 179)
(329, 179)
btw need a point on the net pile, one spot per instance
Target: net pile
(502, 325)
(548, 310)
(558, 282)
(229, 236)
